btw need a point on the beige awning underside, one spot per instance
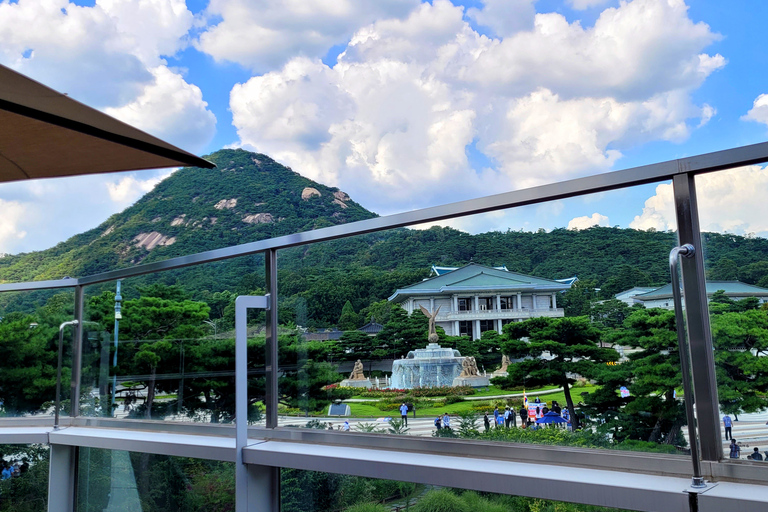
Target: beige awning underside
(45, 134)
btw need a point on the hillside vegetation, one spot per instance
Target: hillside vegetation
(251, 197)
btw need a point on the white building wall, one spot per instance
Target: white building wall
(542, 301)
(527, 301)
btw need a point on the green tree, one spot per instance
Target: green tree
(28, 361)
(578, 299)
(349, 320)
(571, 347)
(652, 413)
(741, 347)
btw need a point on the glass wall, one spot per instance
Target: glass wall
(118, 480)
(24, 477)
(29, 339)
(311, 491)
(735, 237)
(556, 317)
(170, 353)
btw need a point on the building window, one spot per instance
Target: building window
(465, 329)
(507, 303)
(487, 325)
(486, 303)
(465, 304)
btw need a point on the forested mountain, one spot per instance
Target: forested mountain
(247, 197)
(251, 197)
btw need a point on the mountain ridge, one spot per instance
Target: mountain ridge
(248, 197)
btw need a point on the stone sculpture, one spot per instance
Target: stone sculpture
(357, 378)
(432, 337)
(357, 371)
(469, 367)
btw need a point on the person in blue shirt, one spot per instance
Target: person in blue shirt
(735, 449)
(446, 421)
(6, 473)
(727, 424)
(404, 414)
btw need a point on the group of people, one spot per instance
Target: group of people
(735, 452)
(734, 448)
(508, 417)
(13, 469)
(443, 421)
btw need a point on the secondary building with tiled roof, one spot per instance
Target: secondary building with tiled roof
(736, 290)
(475, 298)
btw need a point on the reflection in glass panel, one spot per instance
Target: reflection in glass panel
(24, 477)
(29, 336)
(526, 323)
(128, 481)
(311, 491)
(735, 238)
(164, 349)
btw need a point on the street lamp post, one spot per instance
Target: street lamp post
(118, 317)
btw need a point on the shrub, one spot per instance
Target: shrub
(442, 500)
(453, 399)
(367, 507)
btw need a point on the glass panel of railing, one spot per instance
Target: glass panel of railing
(733, 217)
(538, 309)
(24, 477)
(29, 340)
(121, 480)
(314, 491)
(174, 356)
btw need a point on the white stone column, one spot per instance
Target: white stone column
(410, 305)
(498, 303)
(476, 330)
(431, 304)
(533, 301)
(498, 324)
(477, 303)
(455, 303)
(519, 301)
(554, 300)
(455, 327)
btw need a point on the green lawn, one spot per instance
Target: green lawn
(369, 410)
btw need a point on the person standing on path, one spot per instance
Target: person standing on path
(487, 422)
(438, 422)
(404, 414)
(446, 421)
(523, 416)
(727, 423)
(507, 419)
(735, 449)
(496, 415)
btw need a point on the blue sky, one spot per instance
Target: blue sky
(406, 104)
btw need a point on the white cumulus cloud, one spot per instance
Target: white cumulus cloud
(759, 110)
(731, 201)
(393, 121)
(585, 222)
(171, 109)
(110, 56)
(265, 33)
(128, 189)
(13, 214)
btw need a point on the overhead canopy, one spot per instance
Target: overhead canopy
(45, 134)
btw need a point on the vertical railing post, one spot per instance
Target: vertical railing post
(697, 320)
(270, 263)
(77, 354)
